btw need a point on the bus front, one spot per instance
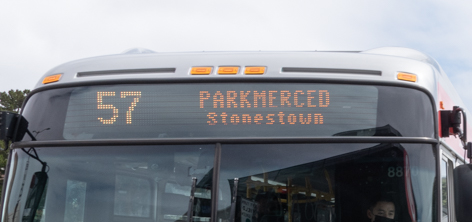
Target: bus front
(240, 142)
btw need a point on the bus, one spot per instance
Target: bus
(239, 137)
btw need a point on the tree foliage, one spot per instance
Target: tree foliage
(12, 100)
(3, 163)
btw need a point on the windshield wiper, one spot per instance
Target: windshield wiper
(233, 201)
(38, 186)
(32, 151)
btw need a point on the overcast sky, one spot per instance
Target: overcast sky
(36, 36)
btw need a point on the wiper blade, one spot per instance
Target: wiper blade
(33, 154)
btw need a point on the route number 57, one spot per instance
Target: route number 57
(123, 95)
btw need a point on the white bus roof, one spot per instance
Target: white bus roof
(381, 64)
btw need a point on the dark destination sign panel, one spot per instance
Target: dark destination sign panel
(219, 110)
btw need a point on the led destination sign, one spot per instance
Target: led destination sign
(209, 110)
(272, 100)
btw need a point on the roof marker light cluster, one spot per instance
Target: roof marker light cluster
(407, 77)
(228, 70)
(53, 78)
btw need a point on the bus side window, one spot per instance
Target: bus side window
(446, 189)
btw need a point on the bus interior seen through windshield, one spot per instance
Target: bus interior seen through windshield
(276, 182)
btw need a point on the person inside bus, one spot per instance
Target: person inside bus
(381, 210)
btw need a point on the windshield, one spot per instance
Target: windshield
(275, 182)
(222, 110)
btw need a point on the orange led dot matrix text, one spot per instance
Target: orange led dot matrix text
(263, 99)
(115, 111)
(326, 98)
(100, 105)
(309, 98)
(295, 100)
(137, 95)
(281, 118)
(284, 97)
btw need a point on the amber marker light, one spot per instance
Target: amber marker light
(201, 70)
(256, 70)
(228, 70)
(406, 77)
(53, 78)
